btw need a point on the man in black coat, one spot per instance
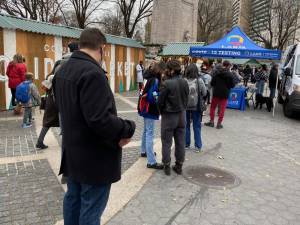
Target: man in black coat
(222, 82)
(93, 133)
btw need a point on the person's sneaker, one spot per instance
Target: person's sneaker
(209, 124)
(41, 146)
(177, 168)
(24, 125)
(156, 166)
(167, 170)
(198, 150)
(64, 179)
(187, 148)
(219, 126)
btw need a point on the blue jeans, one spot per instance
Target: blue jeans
(27, 118)
(196, 118)
(260, 85)
(84, 204)
(147, 140)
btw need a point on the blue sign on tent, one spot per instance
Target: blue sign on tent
(235, 44)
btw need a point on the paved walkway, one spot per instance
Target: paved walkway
(262, 157)
(249, 175)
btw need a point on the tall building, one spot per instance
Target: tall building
(174, 21)
(254, 15)
(242, 14)
(260, 14)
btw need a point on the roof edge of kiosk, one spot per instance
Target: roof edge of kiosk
(235, 44)
(16, 23)
(179, 48)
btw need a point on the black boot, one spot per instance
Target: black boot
(167, 169)
(177, 168)
(41, 146)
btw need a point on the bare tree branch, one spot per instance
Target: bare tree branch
(133, 12)
(84, 9)
(112, 23)
(211, 17)
(280, 25)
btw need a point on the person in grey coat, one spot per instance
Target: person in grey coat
(172, 103)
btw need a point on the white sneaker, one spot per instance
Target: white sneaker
(26, 125)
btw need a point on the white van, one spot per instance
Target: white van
(289, 91)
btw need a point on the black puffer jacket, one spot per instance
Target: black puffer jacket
(173, 95)
(222, 82)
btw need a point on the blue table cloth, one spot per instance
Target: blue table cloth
(237, 99)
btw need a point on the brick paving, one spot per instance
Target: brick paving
(15, 141)
(30, 194)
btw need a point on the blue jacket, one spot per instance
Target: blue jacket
(153, 112)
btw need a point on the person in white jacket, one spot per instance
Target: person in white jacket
(139, 71)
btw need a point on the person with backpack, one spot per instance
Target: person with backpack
(15, 71)
(222, 82)
(148, 109)
(195, 107)
(172, 101)
(26, 92)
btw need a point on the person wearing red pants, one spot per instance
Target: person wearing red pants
(222, 82)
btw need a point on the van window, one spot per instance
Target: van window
(298, 66)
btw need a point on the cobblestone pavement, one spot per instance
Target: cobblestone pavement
(29, 194)
(15, 141)
(261, 151)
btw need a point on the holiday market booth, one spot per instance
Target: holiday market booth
(42, 44)
(235, 45)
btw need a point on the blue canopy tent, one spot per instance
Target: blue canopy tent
(235, 44)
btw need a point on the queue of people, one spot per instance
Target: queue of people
(180, 99)
(92, 133)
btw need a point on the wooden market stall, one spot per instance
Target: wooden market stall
(43, 43)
